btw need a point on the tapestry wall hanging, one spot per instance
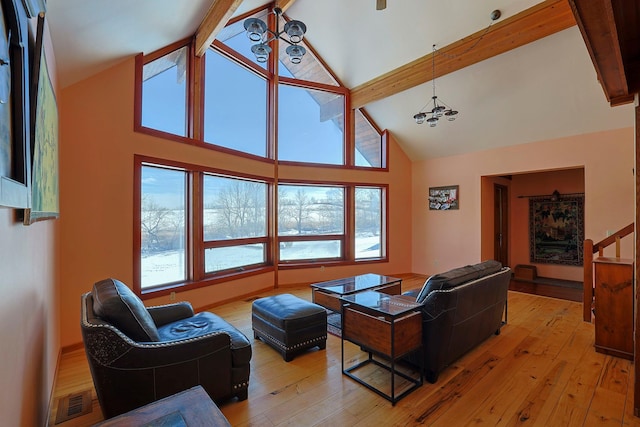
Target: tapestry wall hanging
(556, 230)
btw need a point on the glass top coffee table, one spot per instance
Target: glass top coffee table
(328, 294)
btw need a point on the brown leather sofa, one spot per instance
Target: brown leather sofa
(461, 309)
(138, 355)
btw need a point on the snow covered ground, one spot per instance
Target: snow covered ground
(169, 266)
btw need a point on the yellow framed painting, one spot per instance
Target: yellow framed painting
(44, 146)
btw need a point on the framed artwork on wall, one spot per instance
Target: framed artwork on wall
(556, 230)
(44, 142)
(444, 198)
(15, 161)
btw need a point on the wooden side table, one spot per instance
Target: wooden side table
(189, 408)
(389, 326)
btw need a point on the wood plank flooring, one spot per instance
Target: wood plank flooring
(541, 370)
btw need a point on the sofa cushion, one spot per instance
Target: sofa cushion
(114, 302)
(457, 277)
(205, 323)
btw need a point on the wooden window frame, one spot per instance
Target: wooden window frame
(195, 101)
(343, 238)
(195, 244)
(384, 225)
(195, 111)
(212, 244)
(348, 237)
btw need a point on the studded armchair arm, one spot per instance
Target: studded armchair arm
(110, 348)
(163, 314)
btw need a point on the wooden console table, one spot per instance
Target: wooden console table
(614, 306)
(189, 408)
(389, 326)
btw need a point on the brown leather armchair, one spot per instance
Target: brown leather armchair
(138, 355)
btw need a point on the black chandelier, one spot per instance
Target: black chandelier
(258, 31)
(440, 108)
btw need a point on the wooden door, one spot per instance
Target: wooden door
(501, 223)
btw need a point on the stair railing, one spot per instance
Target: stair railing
(589, 249)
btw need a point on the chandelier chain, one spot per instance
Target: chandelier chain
(433, 69)
(467, 50)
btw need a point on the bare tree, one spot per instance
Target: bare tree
(153, 218)
(331, 211)
(296, 208)
(301, 211)
(241, 208)
(368, 210)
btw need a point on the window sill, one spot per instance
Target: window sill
(209, 280)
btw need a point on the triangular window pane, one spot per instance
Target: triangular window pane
(164, 93)
(235, 37)
(310, 69)
(368, 142)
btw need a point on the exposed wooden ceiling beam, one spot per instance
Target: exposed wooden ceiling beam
(610, 31)
(215, 19)
(284, 4)
(544, 19)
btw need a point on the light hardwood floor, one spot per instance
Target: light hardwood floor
(541, 370)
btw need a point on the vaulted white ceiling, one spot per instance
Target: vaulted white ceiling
(546, 89)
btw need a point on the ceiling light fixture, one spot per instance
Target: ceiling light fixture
(440, 108)
(258, 31)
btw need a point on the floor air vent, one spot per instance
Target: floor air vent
(73, 405)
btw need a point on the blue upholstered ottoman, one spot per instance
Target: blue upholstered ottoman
(289, 324)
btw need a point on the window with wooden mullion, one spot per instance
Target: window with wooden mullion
(163, 212)
(309, 118)
(369, 220)
(194, 224)
(235, 105)
(165, 88)
(234, 223)
(311, 222)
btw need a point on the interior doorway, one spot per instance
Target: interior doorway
(505, 216)
(501, 223)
